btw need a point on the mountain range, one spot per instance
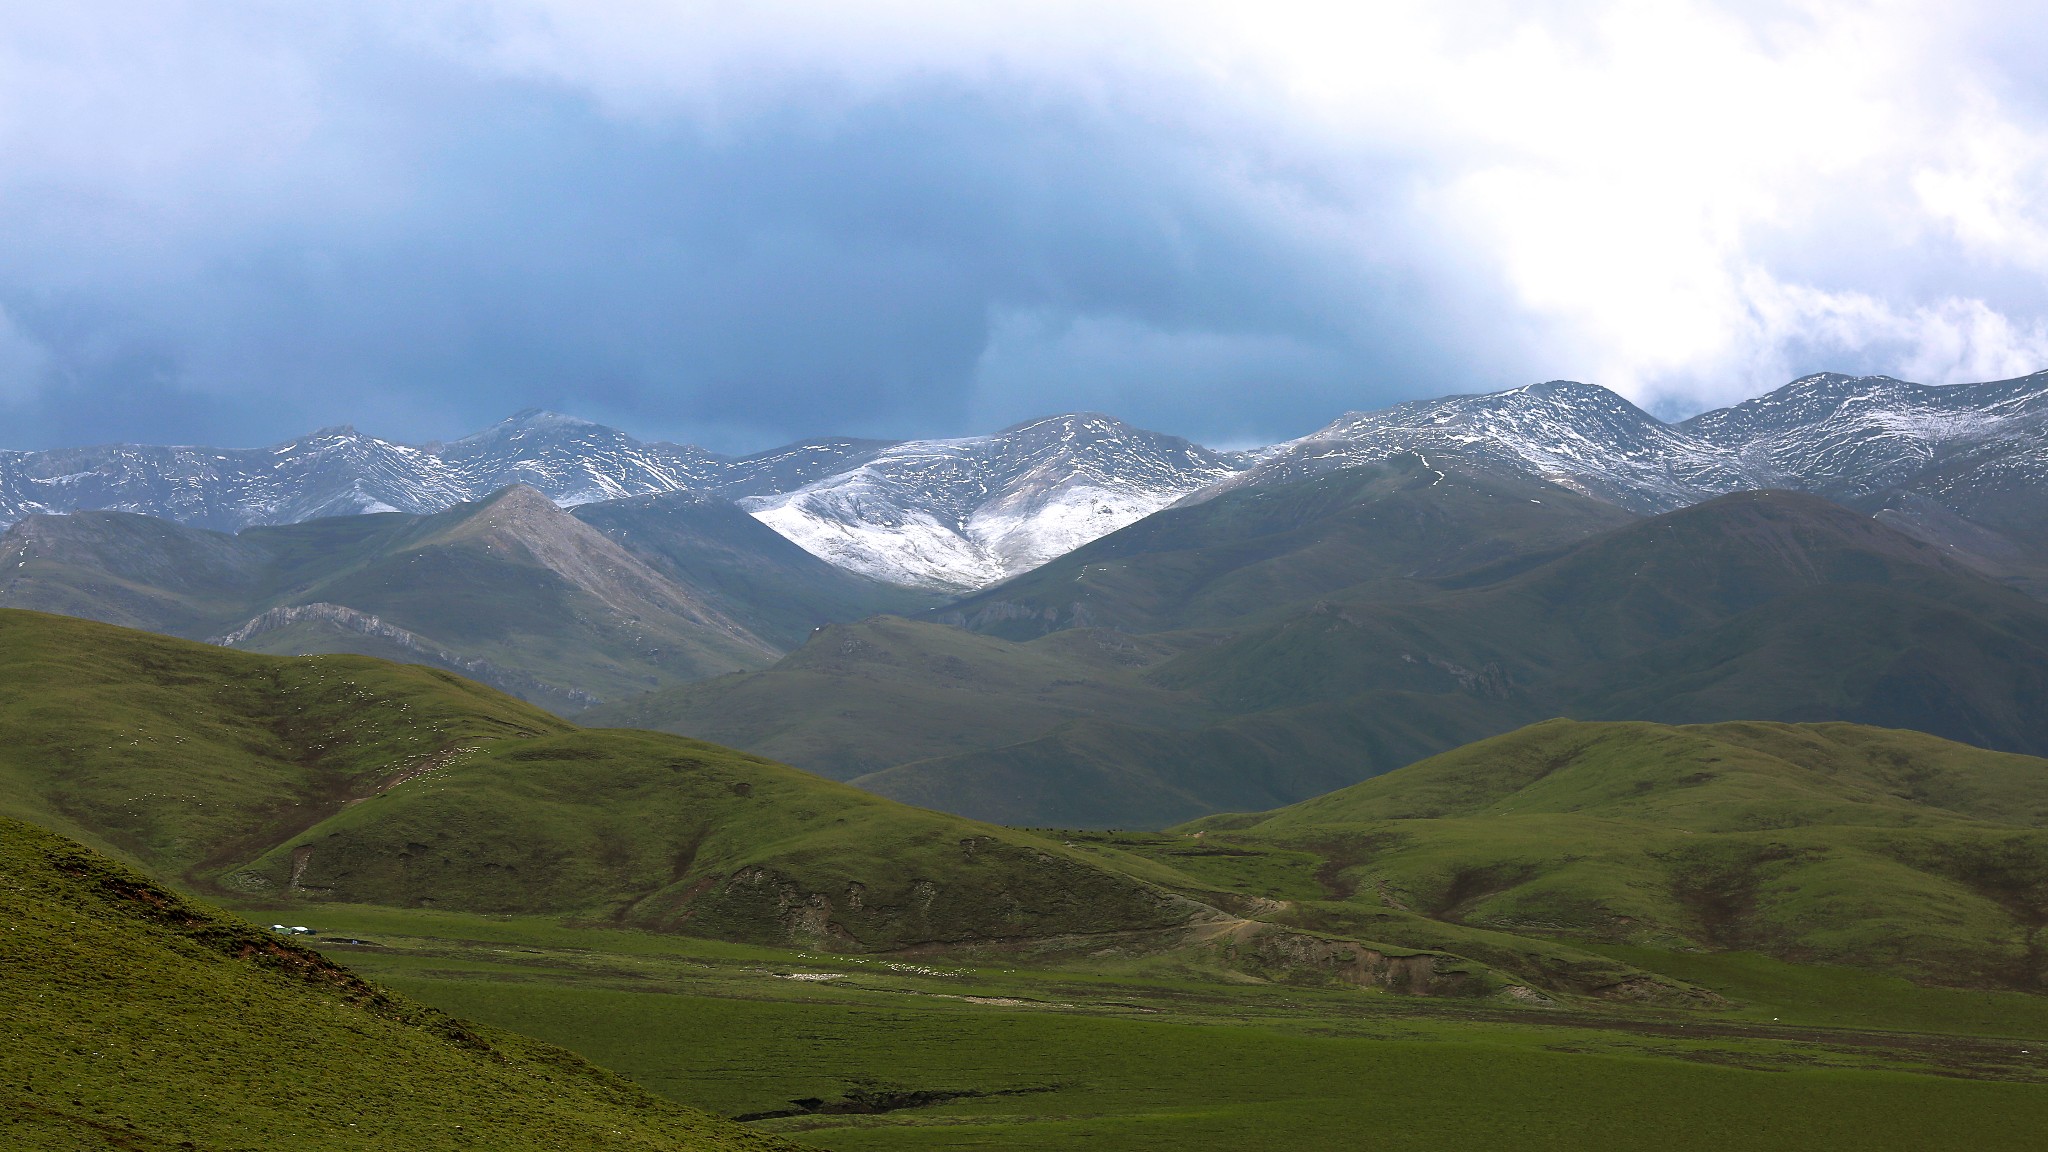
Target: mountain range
(1195, 682)
(1956, 464)
(1077, 622)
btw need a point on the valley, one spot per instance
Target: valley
(1402, 784)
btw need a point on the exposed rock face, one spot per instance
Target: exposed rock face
(345, 619)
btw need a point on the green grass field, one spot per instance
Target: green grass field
(1142, 1054)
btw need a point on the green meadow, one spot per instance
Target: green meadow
(1136, 1052)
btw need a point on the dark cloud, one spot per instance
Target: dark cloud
(250, 225)
(918, 265)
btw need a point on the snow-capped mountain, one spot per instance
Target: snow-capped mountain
(1862, 440)
(575, 461)
(943, 514)
(960, 514)
(333, 472)
(1581, 436)
(964, 513)
(341, 472)
(1851, 436)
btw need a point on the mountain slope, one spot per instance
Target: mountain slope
(1255, 550)
(861, 697)
(747, 571)
(1830, 842)
(140, 1019)
(1611, 597)
(1760, 605)
(509, 589)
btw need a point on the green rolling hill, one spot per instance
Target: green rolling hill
(299, 782)
(1815, 843)
(140, 1019)
(352, 779)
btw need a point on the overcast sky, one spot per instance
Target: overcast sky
(737, 224)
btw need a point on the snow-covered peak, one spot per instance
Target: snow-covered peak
(966, 512)
(575, 461)
(1581, 436)
(1848, 436)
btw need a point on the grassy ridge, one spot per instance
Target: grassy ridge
(137, 1019)
(654, 831)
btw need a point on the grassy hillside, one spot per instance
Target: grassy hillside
(649, 830)
(1825, 843)
(139, 1019)
(314, 778)
(1376, 530)
(183, 756)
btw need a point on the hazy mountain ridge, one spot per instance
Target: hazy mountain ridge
(511, 589)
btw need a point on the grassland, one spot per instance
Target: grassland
(1138, 1052)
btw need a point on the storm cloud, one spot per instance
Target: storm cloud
(232, 222)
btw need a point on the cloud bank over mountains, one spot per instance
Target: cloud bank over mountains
(225, 222)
